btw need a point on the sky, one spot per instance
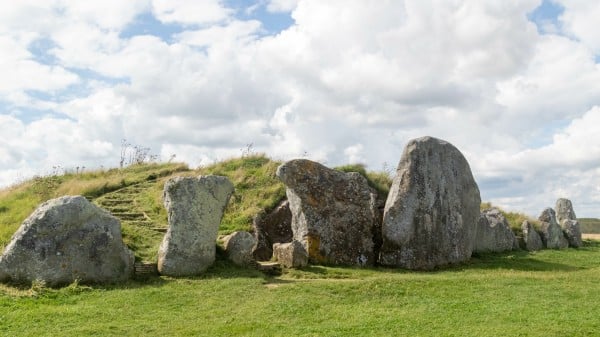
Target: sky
(513, 84)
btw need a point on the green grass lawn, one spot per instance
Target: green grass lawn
(549, 293)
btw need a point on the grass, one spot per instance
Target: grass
(549, 293)
(590, 225)
(17, 202)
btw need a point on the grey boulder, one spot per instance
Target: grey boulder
(493, 233)
(430, 217)
(291, 254)
(551, 233)
(195, 207)
(238, 247)
(333, 213)
(572, 232)
(531, 239)
(270, 228)
(64, 240)
(564, 210)
(566, 218)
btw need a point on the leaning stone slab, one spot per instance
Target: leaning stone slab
(531, 238)
(64, 240)
(238, 247)
(195, 206)
(273, 227)
(430, 217)
(493, 233)
(333, 213)
(566, 218)
(291, 254)
(572, 232)
(551, 233)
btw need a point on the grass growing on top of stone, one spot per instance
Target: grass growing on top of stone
(548, 293)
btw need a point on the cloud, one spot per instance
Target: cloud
(277, 6)
(349, 81)
(199, 12)
(578, 20)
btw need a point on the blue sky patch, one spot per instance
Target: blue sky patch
(272, 23)
(147, 24)
(546, 17)
(40, 49)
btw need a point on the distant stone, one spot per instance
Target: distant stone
(493, 233)
(572, 232)
(564, 210)
(531, 238)
(64, 240)
(195, 206)
(551, 233)
(333, 213)
(271, 228)
(238, 247)
(566, 218)
(430, 217)
(291, 254)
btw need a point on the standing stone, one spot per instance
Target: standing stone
(565, 215)
(493, 233)
(531, 237)
(333, 213)
(64, 240)
(195, 207)
(291, 254)
(551, 232)
(572, 232)
(430, 217)
(271, 228)
(238, 247)
(564, 210)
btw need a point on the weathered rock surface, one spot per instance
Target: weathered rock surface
(291, 254)
(531, 239)
(572, 232)
(551, 233)
(333, 213)
(271, 228)
(564, 210)
(493, 233)
(195, 206)
(566, 218)
(238, 247)
(430, 217)
(64, 240)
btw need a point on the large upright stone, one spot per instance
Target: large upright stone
(564, 210)
(64, 240)
(551, 233)
(195, 207)
(565, 215)
(431, 213)
(333, 213)
(493, 233)
(270, 228)
(531, 238)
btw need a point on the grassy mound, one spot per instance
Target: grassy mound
(134, 195)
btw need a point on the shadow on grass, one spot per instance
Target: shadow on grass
(515, 260)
